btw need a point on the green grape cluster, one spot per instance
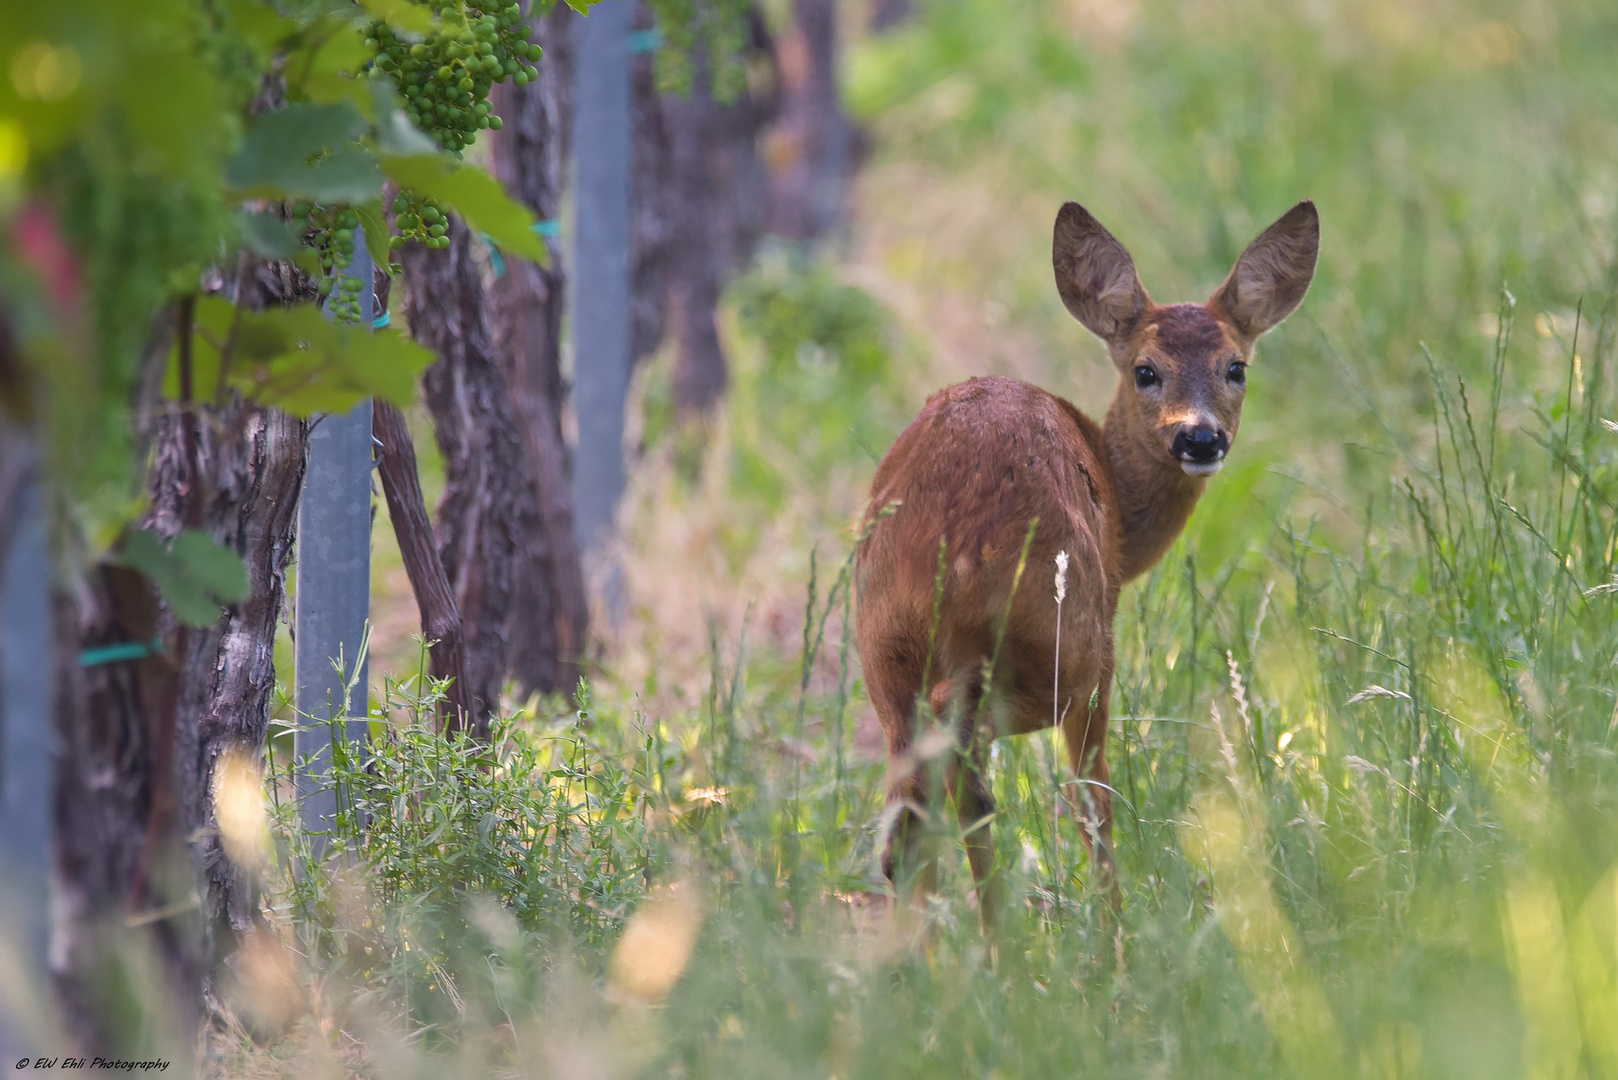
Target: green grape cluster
(445, 77)
(345, 301)
(329, 230)
(419, 219)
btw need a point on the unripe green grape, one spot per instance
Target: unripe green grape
(465, 84)
(483, 121)
(438, 230)
(495, 122)
(418, 50)
(469, 138)
(521, 78)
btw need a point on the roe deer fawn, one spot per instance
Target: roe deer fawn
(989, 456)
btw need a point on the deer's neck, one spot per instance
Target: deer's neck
(1155, 499)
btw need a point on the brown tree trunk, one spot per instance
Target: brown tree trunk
(128, 975)
(551, 613)
(488, 512)
(718, 191)
(812, 150)
(138, 844)
(440, 616)
(418, 547)
(651, 239)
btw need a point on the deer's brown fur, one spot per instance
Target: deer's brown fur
(990, 455)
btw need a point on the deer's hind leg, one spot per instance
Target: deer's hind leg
(915, 767)
(912, 792)
(968, 780)
(1084, 729)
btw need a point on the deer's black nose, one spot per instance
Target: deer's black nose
(1202, 443)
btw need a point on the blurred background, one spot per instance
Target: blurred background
(1365, 718)
(1454, 150)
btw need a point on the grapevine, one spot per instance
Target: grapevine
(419, 219)
(444, 78)
(330, 232)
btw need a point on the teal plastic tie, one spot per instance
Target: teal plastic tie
(645, 41)
(382, 320)
(495, 259)
(550, 228)
(120, 651)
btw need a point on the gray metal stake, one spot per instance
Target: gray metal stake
(27, 772)
(334, 590)
(601, 267)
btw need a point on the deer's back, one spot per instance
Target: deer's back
(983, 460)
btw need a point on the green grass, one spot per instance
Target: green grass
(1365, 716)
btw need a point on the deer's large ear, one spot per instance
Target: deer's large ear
(1273, 274)
(1095, 276)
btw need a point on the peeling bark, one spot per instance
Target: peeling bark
(440, 616)
(488, 507)
(551, 612)
(138, 845)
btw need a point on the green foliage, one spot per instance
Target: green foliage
(297, 359)
(196, 575)
(823, 388)
(808, 319)
(706, 35)
(541, 820)
(305, 151)
(476, 195)
(131, 136)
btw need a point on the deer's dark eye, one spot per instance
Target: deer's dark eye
(1237, 373)
(1145, 376)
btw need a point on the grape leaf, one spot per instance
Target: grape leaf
(297, 359)
(475, 195)
(305, 151)
(260, 25)
(402, 14)
(268, 235)
(196, 575)
(330, 72)
(375, 224)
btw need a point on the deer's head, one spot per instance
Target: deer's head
(1182, 367)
